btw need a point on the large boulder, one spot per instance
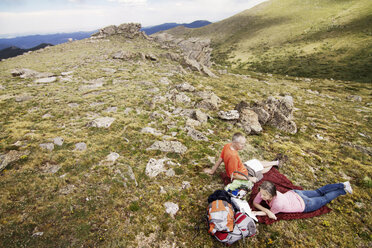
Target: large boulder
(249, 119)
(155, 166)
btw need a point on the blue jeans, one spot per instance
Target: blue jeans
(315, 199)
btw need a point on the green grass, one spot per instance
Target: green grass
(101, 211)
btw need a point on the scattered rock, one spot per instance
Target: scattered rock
(210, 101)
(67, 73)
(46, 80)
(249, 120)
(192, 123)
(38, 234)
(73, 105)
(155, 166)
(151, 130)
(164, 81)
(110, 159)
(11, 157)
(168, 146)
(67, 189)
(81, 146)
(124, 55)
(354, 98)
(162, 191)
(185, 87)
(51, 168)
(47, 116)
(366, 150)
(58, 141)
(93, 84)
(229, 115)
(127, 175)
(47, 146)
(111, 110)
(171, 208)
(181, 98)
(170, 173)
(196, 135)
(24, 73)
(186, 185)
(102, 122)
(200, 116)
(23, 98)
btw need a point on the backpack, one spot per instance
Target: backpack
(225, 223)
(244, 226)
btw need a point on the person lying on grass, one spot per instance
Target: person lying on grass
(231, 159)
(296, 201)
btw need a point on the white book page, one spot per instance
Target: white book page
(254, 164)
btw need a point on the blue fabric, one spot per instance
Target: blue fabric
(315, 199)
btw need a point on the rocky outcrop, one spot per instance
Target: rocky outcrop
(274, 112)
(196, 51)
(127, 30)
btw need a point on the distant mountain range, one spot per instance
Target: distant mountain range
(166, 26)
(11, 47)
(15, 51)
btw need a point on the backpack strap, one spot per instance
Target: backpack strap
(238, 173)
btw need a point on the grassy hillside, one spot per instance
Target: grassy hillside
(87, 203)
(319, 39)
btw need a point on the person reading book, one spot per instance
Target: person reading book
(231, 159)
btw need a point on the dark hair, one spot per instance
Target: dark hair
(269, 187)
(237, 136)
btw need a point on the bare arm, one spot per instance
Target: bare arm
(241, 177)
(214, 168)
(265, 210)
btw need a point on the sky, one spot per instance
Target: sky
(25, 17)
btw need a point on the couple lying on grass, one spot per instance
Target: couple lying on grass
(293, 201)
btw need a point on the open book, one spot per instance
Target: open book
(254, 164)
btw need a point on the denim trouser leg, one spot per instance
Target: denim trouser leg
(315, 199)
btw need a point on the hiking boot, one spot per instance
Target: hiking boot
(281, 158)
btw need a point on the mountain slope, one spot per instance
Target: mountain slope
(166, 26)
(325, 39)
(74, 183)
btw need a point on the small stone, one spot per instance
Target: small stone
(171, 208)
(110, 159)
(23, 98)
(10, 157)
(37, 234)
(155, 167)
(151, 130)
(47, 146)
(102, 122)
(168, 146)
(192, 123)
(67, 73)
(73, 105)
(51, 168)
(46, 80)
(170, 173)
(58, 141)
(229, 115)
(46, 116)
(212, 160)
(196, 135)
(319, 137)
(127, 111)
(164, 81)
(81, 146)
(67, 189)
(111, 110)
(162, 191)
(200, 116)
(185, 87)
(186, 185)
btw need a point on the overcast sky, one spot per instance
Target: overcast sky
(52, 16)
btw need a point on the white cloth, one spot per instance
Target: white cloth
(244, 207)
(254, 164)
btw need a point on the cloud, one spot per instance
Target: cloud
(130, 2)
(114, 12)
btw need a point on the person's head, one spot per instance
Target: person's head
(268, 190)
(238, 141)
